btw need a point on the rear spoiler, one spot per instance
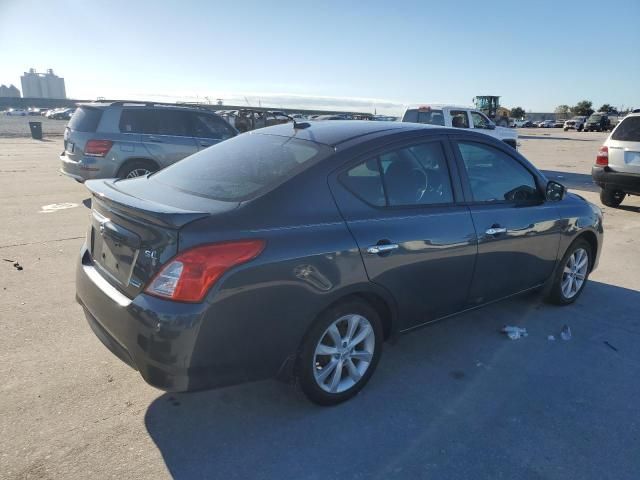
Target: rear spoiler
(149, 211)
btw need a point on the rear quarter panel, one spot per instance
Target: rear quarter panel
(259, 312)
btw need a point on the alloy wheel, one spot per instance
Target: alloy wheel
(138, 172)
(344, 353)
(575, 273)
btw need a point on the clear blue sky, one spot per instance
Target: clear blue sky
(385, 53)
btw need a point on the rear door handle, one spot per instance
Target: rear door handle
(155, 139)
(495, 230)
(384, 248)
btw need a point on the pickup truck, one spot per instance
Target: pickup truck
(459, 117)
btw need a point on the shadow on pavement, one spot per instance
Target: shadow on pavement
(547, 136)
(571, 180)
(87, 202)
(456, 399)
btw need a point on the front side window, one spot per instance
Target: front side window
(410, 176)
(208, 126)
(479, 120)
(172, 122)
(459, 119)
(495, 176)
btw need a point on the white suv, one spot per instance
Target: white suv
(617, 168)
(460, 117)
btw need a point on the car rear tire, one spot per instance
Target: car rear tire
(572, 273)
(611, 198)
(137, 168)
(340, 353)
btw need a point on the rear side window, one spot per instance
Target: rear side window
(429, 117)
(411, 176)
(155, 122)
(628, 130)
(85, 119)
(364, 180)
(459, 119)
(137, 120)
(243, 167)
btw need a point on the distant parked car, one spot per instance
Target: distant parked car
(299, 251)
(575, 123)
(547, 124)
(598, 122)
(558, 124)
(617, 168)
(16, 112)
(129, 139)
(522, 124)
(62, 114)
(35, 111)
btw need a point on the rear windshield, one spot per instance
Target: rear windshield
(430, 117)
(628, 130)
(595, 118)
(243, 167)
(85, 119)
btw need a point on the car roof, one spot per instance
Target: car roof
(417, 106)
(335, 132)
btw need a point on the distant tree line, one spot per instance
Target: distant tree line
(582, 108)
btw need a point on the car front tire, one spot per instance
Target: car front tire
(572, 273)
(340, 353)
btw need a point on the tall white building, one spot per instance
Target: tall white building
(42, 85)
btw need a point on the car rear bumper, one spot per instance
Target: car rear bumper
(87, 168)
(604, 177)
(159, 338)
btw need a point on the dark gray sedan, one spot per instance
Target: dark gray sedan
(297, 250)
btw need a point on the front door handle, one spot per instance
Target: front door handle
(155, 139)
(495, 230)
(384, 248)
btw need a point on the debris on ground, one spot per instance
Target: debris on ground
(610, 346)
(551, 338)
(513, 332)
(565, 333)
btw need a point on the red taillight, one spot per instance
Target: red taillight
(190, 275)
(97, 148)
(603, 156)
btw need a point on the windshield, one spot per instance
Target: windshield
(595, 118)
(243, 167)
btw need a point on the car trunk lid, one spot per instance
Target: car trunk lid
(131, 235)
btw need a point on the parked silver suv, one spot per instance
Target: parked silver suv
(130, 139)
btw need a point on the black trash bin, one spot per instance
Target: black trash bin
(36, 130)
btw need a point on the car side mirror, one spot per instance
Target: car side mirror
(555, 191)
(491, 126)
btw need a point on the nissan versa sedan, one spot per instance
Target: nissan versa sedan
(295, 251)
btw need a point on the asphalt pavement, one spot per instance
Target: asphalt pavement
(456, 399)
